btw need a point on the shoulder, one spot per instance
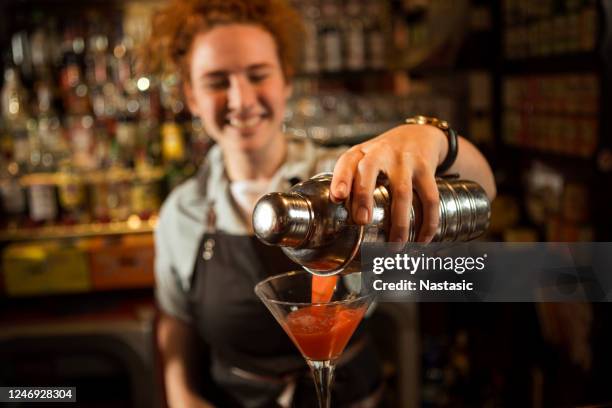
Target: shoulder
(178, 233)
(183, 202)
(187, 201)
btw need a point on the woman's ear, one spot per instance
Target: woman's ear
(188, 92)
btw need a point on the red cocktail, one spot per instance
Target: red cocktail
(321, 333)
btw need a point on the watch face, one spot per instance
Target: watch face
(425, 120)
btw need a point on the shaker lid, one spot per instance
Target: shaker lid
(282, 219)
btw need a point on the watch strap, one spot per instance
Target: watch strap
(451, 154)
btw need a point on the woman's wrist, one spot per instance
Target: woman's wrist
(447, 147)
(434, 134)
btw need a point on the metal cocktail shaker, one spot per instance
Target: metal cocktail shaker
(320, 235)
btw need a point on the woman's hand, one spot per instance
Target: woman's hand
(408, 155)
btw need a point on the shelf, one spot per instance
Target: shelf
(341, 134)
(133, 225)
(114, 175)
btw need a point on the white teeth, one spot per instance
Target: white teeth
(241, 124)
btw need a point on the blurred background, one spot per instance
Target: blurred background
(91, 143)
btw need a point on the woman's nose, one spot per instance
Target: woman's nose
(241, 94)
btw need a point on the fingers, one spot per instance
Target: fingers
(344, 170)
(363, 187)
(427, 189)
(412, 172)
(400, 210)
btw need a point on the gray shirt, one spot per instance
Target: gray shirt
(183, 216)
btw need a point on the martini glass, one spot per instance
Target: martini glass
(319, 330)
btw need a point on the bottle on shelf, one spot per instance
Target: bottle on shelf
(49, 128)
(12, 194)
(82, 143)
(145, 192)
(173, 150)
(311, 14)
(374, 32)
(75, 90)
(126, 129)
(16, 115)
(331, 37)
(103, 93)
(72, 195)
(42, 198)
(355, 36)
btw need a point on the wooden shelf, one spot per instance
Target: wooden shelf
(133, 225)
(114, 175)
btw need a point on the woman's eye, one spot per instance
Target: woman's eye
(216, 85)
(255, 78)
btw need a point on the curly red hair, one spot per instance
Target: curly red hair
(176, 26)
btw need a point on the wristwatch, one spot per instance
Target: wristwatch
(451, 136)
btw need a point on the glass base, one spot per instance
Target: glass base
(323, 375)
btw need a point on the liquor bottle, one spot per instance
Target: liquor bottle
(119, 179)
(81, 138)
(312, 15)
(41, 182)
(71, 195)
(355, 38)
(148, 140)
(42, 198)
(75, 91)
(103, 145)
(123, 63)
(173, 150)
(126, 132)
(110, 189)
(49, 128)
(145, 194)
(148, 146)
(331, 37)
(40, 51)
(129, 106)
(20, 50)
(102, 89)
(375, 37)
(12, 194)
(16, 115)
(35, 158)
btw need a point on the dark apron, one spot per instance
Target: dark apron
(252, 360)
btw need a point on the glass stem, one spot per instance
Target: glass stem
(323, 373)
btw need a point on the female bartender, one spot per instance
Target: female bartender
(237, 59)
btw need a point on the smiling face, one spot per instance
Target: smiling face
(237, 87)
